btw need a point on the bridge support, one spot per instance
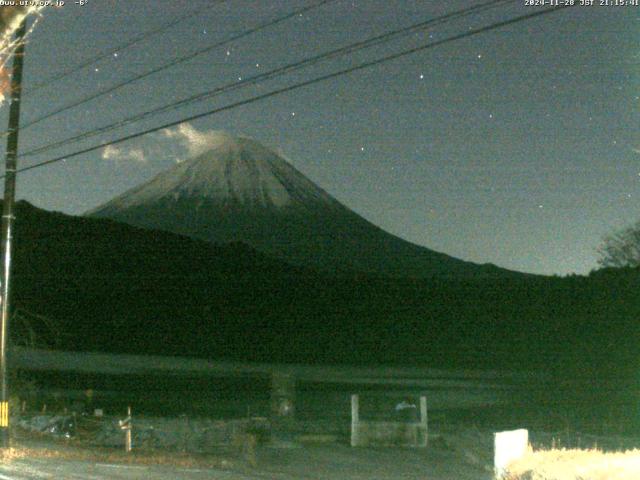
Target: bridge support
(283, 393)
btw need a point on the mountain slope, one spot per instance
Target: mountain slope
(242, 191)
(111, 287)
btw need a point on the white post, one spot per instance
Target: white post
(355, 421)
(126, 426)
(508, 447)
(127, 445)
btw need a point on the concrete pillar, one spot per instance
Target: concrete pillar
(283, 394)
(424, 427)
(355, 421)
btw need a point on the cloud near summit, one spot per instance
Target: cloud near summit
(111, 152)
(195, 142)
(185, 140)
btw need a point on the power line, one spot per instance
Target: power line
(376, 40)
(175, 62)
(135, 40)
(296, 86)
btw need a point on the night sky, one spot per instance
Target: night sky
(519, 146)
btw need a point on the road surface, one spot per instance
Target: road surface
(27, 469)
(318, 462)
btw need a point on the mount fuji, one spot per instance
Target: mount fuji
(240, 190)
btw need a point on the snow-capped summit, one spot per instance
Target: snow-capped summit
(240, 190)
(235, 172)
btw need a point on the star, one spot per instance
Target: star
(421, 76)
(115, 54)
(228, 52)
(362, 149)
(293, 114)
(479, 55)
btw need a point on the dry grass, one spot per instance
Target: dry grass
(175, 459)
(8, 454)
(36, 445)
(574, 464)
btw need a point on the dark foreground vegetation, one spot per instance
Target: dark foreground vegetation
(105, 286)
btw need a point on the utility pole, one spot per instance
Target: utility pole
(7, 225)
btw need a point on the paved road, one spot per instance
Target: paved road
(24, 469)
(331, 462)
